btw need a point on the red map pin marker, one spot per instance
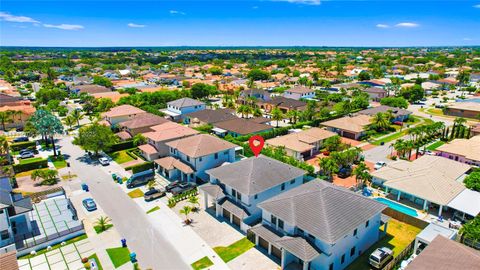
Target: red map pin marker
(256, 144)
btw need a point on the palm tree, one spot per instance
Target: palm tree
(293, 116)
(243, 109)
(139, 139)
(380, 122)
(5, 117)
(69, 121)
(195, 202)
(361, 173)
(277, 115)
(186, 210)
(4, 148)
(328, 166)
(347, 106)
(103, 223)
(77, 115)
(151, 184)
(257, 112)
(399, 146)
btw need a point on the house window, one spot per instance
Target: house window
(367, 223)
(280, 224)
(292, 182)
(188, 158)
(273, 219)
(200, 159)
(256, 196)
(330, 267)
(234, 193)
(343, 259)
(283, 186)
(355, 232)
(5, 235)
(225, 153)
(352, 251)
(216, 155)
(239, 195)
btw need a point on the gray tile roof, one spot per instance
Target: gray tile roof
(256, 174)
(383, 109)
(211, 116)
(267, 233)
(185, 102)
(326, 211)
(299, 247)
(234, 209)
(213, 190)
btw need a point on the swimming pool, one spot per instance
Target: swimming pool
(399, 207)
(477, 100)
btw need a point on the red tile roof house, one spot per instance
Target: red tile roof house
(299, 92)
(201, 152)
(120, 114)
(375, 93)
(161, 134)
(140, 124)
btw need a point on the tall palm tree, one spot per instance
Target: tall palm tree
(69, 121)
(277, 115)
(380, 122)
(399, 146)
(257, 112)
(194, 200)
(243, 109)
(293, 115)
(5, 118)
(4, 148)
(77, 115)
(361, 173)
(328, 166)
(186, 210)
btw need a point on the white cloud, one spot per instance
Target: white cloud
(134, 25)
(64, 26)
(467, 39)
(177, 12)
(380, 25)
(255, 7)
(406, 24)
(477, 6)
(19, 19)
(305, 2)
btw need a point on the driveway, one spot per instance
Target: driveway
(153, 251)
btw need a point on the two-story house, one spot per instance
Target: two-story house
(200, 152)
(318, 226)
(140, 124)
(178, 108)
(299, 92)
(120, 114)
(257, 94)
(236, 189)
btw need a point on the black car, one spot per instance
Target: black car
(172, 185)
(21, 139)
(344, 172)
(182, 188)
(153, 194)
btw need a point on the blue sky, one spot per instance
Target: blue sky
(239, 23)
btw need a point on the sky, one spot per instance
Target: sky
(111, 23)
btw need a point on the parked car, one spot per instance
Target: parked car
(89, 204)
(21, 139)
(28, 154)
(172, 185)
(344, 172)
(379, 164)
(380, 257)
(140, 178)
(104, 161)
(153, 194)
(183, 187)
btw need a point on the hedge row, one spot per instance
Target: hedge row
(121, 146)
(22, 145)
(183, 196)
(140, 167)
(18, 168)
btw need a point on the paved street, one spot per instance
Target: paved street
(153, 251)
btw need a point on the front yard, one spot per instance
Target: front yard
(119, 256)
(234, 250)
(58, 161)
(202, 263)
(399, 236)
(121, 157)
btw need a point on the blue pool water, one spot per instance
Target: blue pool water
(399, 207)
(477, 100)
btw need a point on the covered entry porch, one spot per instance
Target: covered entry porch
(174, 169)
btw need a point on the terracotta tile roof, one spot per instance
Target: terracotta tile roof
(355, 123)
(113, 96)
(144, 120)
(169, 131)
(300, 89)
(148, 149)
(170, 163)
(301, 141)
(123, 110)
(200, 145)
(8, 261)
(91, 88)
(469, 148)
(124, 135)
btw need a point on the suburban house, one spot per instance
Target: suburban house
(257, 94)
(444, 253)
(375, 93)
(239, 127)
(318, 226)
(201, 152)
(462, 150)
(120, 114)
(353, 127)
(399, 115)
(299, 92)
(178, 108)
(283, 103)
(208, 117)
(89, 89)
(21, 110)
(463, 109)
(161, 134)
(429, 181)
(139, 124)
(236, 189)
(475, 130)
(302, 144)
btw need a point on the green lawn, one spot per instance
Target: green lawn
(153, 209)
(391, 137)
(202, 263)
(98, 230)
(27, 173)
(42, 251)
(30, 160)
(99, 264)
(58, 162)
(234, 250)
(121, 157)
(119, 256)
(136, 193)
(399, 236)
(435, 145)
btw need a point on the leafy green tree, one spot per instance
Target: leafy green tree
(100, 80)
(328, 166)
(413, 94)
(69, 121)
(139, 139)
(258, 75)
(362, 174)
(48, 125)
(77, 115)
(186, 210)
(364, 76)
(470, 231)
(104, 104)
(95, 137)
(333, 143)
(244, 110)
(472, 181)
(201, 90)
(215, 70)
(6, 117)
(398, 102)
(380, 121)
(44, 95)
(49, 177)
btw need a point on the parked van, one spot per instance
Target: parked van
(140, 178)
(380, 257)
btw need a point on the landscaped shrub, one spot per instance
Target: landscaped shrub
(180, 197)
(140, 167)
(121, 146)
(132, 153)
(39, 164)
(22, 145)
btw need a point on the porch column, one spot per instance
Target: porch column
(256, 239)
(440, 207)
(283, 258)
(386, 189)
(305, 265)
(231, 218)
(425, 204)
(218, 210)
(398, 195)
(205, 201)
(269, 249)
(415, 246)
(385, 226)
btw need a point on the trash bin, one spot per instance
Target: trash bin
(114, 176)
(119, 180)
(133, 257)
(85, 187)
(124, 242)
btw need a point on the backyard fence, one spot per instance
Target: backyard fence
(398, 259)
(405, 218)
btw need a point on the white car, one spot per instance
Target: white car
(104, 161)
(379, 164)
